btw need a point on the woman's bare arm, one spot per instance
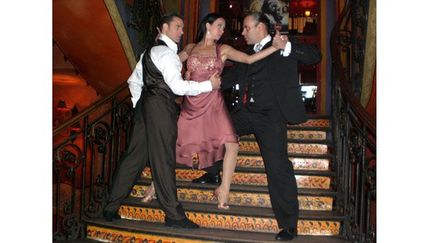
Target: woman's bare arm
(184, 54)
(230, 53)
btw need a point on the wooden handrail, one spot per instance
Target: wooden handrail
(89, 109)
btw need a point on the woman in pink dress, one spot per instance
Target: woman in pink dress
(204, 124)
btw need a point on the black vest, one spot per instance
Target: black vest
(259, 87)
(152, 78)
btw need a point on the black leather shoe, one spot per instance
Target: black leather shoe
(286, 234)
(109, 216)
(208, 178)
(182, 223)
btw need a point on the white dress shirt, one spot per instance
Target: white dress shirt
(168, 62)
(284, 53)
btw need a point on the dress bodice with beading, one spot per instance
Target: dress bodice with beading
(204, 125)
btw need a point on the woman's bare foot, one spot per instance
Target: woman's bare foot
(222, 198)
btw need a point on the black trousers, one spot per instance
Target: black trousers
(152, 141)
(271, 133)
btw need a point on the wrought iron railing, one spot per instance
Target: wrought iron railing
(85, 151)
(354, 132)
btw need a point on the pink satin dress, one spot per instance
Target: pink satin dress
(204, 124)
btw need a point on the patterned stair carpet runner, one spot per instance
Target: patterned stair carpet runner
(321, 203)
(232, 222)
(257, 179)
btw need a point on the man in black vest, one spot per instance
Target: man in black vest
(271, 98)
(154, 83)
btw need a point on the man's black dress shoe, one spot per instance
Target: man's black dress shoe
(182, 223)
(286, 234)
(109, 216)
(208, 178)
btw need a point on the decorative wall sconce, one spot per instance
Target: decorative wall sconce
(64, 113)
(74, 110)
(76, 127)
(61, 106)
(307, 13)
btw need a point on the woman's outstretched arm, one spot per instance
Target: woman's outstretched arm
(228, 52)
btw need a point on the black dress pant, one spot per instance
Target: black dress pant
(152, 141)
(271, 133)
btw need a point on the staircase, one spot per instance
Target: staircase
(250, 217)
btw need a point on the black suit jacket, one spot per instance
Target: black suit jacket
(282, 74)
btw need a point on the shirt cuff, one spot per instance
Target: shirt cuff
(206, 86)
(287, 49)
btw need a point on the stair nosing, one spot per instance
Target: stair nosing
(309, 128)
(318, 116)
(245, 188)
(328, 142)
(242, 211)
(299, 155)
(242, 169)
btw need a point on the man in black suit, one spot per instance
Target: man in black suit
(272, 98)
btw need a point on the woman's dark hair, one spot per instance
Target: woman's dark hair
(166, 19)
(209, 18)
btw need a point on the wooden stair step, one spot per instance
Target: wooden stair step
(296, 172)
(298, 155)
(297, 135)
(113, 234)
(307, 134)
(304, 180)
(244, 188)
(234, 210)
(141, 231)
(313, 123)
(295, 148)
(299, 163)
(236, 218)
(240, 198)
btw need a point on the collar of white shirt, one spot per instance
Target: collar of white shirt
(171, 44)
(264, 41)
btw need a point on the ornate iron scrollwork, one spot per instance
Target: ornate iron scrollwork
(71, 225)
(83, 163)
(344, 39)
(98, 196)
(100, 135)
(354, 146)
(355, 179)
(124, 116)
(68, 156)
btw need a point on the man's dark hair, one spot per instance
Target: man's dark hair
(166, 19)
(260, 18)
(209, 18)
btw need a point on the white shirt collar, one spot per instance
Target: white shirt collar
(264, 41)
(170, 43)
